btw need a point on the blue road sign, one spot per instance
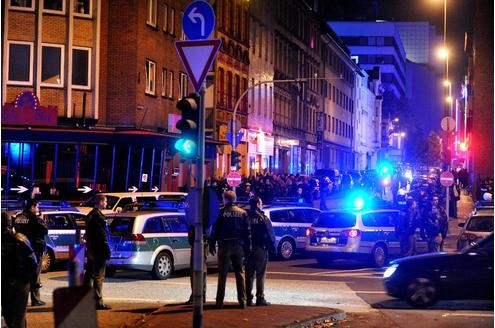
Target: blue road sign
(198, 20)
(238, 138)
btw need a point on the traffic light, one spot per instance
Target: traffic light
(188, 124)
(236, 159)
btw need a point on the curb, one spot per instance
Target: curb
(338, 315)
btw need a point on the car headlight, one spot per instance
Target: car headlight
(390, 271)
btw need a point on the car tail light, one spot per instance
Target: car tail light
(351, 233)
(466, 236)
(310, 232)
(137, 237)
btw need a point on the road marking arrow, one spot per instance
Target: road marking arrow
(133, 189)
(84, 189)
(155, 189)
(193, 15)
(19, 189)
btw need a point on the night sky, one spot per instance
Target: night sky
(459, 19)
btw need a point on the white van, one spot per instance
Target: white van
(117, 200)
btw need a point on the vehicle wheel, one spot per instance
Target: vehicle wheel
(286, 249)
(163, 266)
(324, 260)
(379, 256)
(109, 271)
(47, 261)
(421, 292)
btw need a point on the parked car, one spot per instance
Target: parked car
(422, 280)
(479, 224)
(116, 201)
(150, 241)
(62, 232)
(289, 226)
(367, 235)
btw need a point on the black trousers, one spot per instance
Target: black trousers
(256, 267)
(95, 271)
(15, 296)
(230, 252)
(35, 292)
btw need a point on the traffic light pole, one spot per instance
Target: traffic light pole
(198, 222)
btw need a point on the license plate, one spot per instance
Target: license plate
(330, 240)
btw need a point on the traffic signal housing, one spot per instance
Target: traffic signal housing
(235, 160)
(189, 125)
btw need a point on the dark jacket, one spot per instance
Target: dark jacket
(232, 225)
(97, 236)
(18, 254)
(261, 230)
(30, 225)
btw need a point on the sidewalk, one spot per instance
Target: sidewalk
(179, 315)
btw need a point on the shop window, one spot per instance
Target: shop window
(150, 77)
(82, 7)
(81, 59)
(151, 18)
(20, 63)
(52, 65)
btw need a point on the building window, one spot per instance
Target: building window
(151, 18)
(20, 63)
(57, 6)
(221, 89)
(150, 77)
(170, 84)
(27, 5)
(81, 57)
(182, 85)
(165, 18)
(164, 82)
(182, 34)
(171, 28)
(82, 7)
(52, 57)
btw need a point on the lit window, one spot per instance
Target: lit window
(20, 63)
(22, 4)
(151, 19)
(81, 59)
(52, 65)
(150, 77)
(54, 5)
(182, 85)
(82, 7)
(170, 84)
(164, 82)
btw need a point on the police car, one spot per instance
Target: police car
(289, 227)
(149, 241)
(62, 232)
(367, 234)
(117, 201)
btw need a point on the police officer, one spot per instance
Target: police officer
(97, 249)
(263, 242)
(19, 270)
(30, 225)
(412, 218)
(436, 225)
(233, 234)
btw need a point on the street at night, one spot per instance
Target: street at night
(247, 163)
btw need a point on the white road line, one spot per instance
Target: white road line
(367, 292)
(450, 314)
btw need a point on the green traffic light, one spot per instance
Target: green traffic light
(186, 147)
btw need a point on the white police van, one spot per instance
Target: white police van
(289, 227)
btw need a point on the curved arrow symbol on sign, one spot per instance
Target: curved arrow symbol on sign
(133, 189)
(84, 189)
(19, 189)
(193, 15)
